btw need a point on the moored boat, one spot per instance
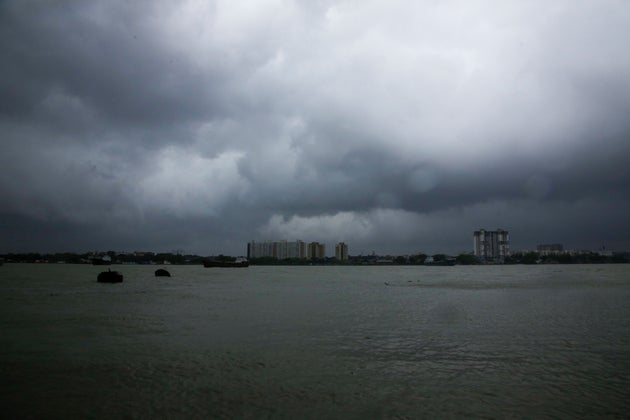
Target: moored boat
(239, 262)
(442, 263)
(110, 276)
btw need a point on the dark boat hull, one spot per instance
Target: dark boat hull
(440, 263)
(162, 273)
(110, 277)
(225, 264)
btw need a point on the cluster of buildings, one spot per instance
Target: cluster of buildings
(490, 246)
(283, 250)
(487, 245)
(494, 246)
(550, 249)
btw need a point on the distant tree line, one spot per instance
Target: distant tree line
(566, 258)
(416, 259)
(114, 257)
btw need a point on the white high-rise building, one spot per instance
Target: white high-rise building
(341, 251)
(315, 250)
(276, 249)
(491, 244)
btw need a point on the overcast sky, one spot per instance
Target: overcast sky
(396, 126)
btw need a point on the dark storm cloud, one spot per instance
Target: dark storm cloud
(394, 126)
(108, 61)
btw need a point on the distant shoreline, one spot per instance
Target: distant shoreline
(419, 259)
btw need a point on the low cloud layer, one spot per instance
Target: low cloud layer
(393, 126)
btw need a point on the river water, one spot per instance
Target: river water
(316, 342)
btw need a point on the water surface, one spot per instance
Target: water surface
(316, 342)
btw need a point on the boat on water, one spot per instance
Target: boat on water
(441, 263)
(239, 262)
(110, 276)
(162, 273)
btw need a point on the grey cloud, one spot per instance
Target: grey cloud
(203, 125)
(106, 59)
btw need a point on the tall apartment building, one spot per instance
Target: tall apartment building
(341, 251)
(315, 250)
(276, 249)
(491, 244)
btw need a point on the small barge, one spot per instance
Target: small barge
(110, 277)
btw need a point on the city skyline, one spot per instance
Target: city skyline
(541, 247)
(300, 249)
(394, 126)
